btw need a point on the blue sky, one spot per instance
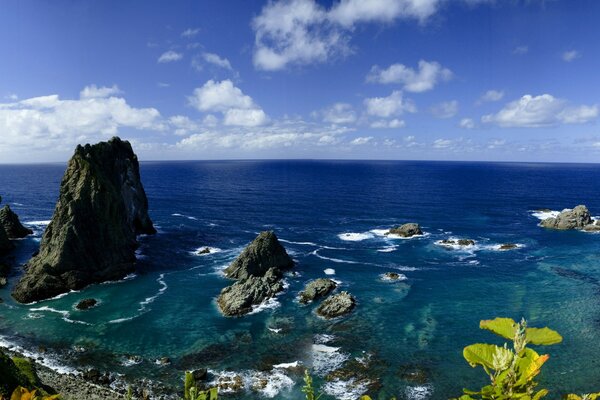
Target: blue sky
(378, 79)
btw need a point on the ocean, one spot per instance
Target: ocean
(330, 216)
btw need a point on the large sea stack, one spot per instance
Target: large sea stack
(258, 270)
(101, 209)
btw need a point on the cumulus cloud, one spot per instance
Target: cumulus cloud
(570, 55)
(491, 95)
(217, 60)
(391, 124)
(466, 123)
(300, 32)
(442, 143)
(447, 109)
(50, 122)
(392, 105)
(424, 78)
(361, 140)
(170, 56)
(190, 32)
(540, 111)
(237, 107)
(338, 113)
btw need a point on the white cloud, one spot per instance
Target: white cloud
(190, 32)
(442, 143)
(170, 56)
(210, 120)
(215, 59)
(300, 32)
(391, 124)
(225, 97)
(539, 111)
(339, 113)
(467, 123)
(520, 50)
(570, 55)
(49, 122)
(93, 91)
(445, 110)
(12, 96)
(361, 140)
(182, 125)
(491, 95)
(392, 105)
(428, 74)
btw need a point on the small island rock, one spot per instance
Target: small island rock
(406, 230)
(86, 304)
(337, 305)
(11, 224)
(459, 242)
(576, 218)
(508, 246)
(317, 289)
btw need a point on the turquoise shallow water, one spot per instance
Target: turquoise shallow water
(421, 323)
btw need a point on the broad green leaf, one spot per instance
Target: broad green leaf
(540, 394)
(529, 366)
(481, 354)
(542, 336)
(505, 327)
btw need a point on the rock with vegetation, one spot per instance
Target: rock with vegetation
(17, 372)
(86, 304)
(337, 305)
(11, 224)
(265, 252)
(101, 209)
(317, 289)
(576, 218)
(406, 230)
(238, 299)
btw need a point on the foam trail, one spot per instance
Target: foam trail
(65, 314)
(336, 260)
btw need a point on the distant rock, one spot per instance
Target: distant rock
(238, 299)
(337, 305)
(393, 276)
(265, 252)
(317, 289)
(4, 270)
(11, 224)
(5, 243)
(101, 209)
(406, 230)
(576, 218)
(457, 242)
(205, 250)
(508, 246)
(163, 361)
(86, 304)
(200, 374)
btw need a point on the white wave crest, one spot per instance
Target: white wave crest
(329, 271)
(336, 260)
(355, 237)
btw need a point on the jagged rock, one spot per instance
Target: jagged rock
(459, 242)
(265, 252)
(86, 304)
(508, 246)
(238, 299)
(337, 305)
(317, 289)
(12, 226)
(200, 374)
(406, 230)
(101, 208)
(205, 250)
(577, 218)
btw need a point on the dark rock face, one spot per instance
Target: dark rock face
(5, 243)
(337, 305)
(12, 226)
(265, 252)
(317, 289)
(101, 208)
(238, 299)
(577, 218)
(86, 304)
(258, 270)
(406, 230)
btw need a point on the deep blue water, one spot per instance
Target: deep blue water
(423, 322)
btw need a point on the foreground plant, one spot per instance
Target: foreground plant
(191, 391)
(21, 393)
(512, 370)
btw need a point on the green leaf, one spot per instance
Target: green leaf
(489, 356)
(505, 327)
(540, 394)
(529, 366)
(542, 336)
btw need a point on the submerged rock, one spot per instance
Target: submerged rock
(259, 271)
(317, 289)
(238, 299)
(11, 224)
(86, 304)
(337, 305)
(577, 218)
(406, 230)
(265, 252)
(101, 208)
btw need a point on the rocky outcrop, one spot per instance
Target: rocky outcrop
(576, 218)
(456, 242)
(406, 230)
(86, 304)
(508, 246)
(101, 209)
(11, 224)
(265, 252)
(259, 271)
(316, 289)
(337, 305)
